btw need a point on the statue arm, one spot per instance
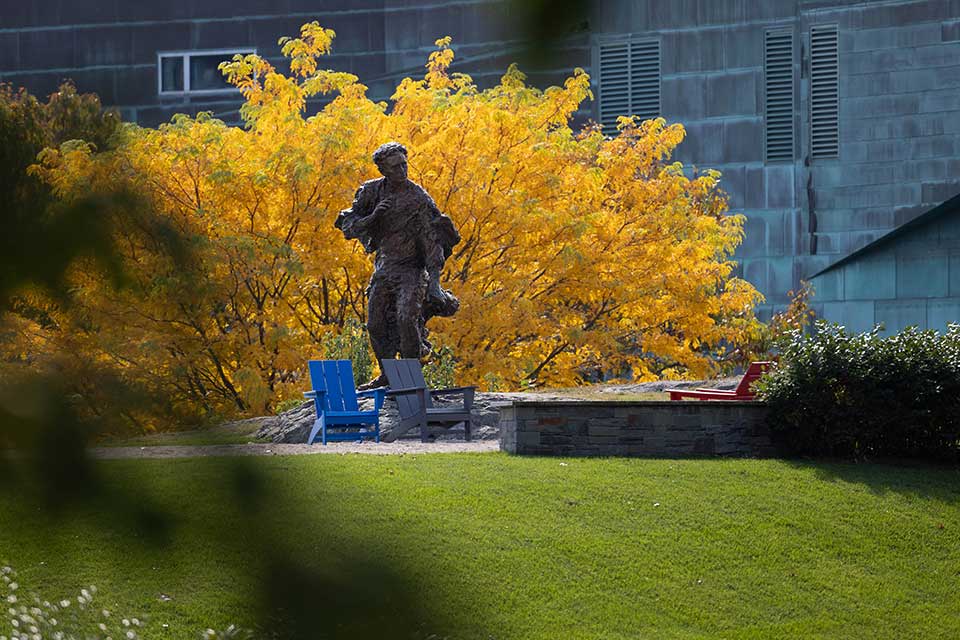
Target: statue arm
(434, 259)
(360, 220)
(435, 246)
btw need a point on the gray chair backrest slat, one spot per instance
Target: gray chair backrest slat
(401, 376)
(416, 376)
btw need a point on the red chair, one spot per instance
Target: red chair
(742, 392)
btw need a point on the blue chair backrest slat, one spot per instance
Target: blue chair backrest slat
(317, 383)
(335, 378)
(331, 378)
(348, 386)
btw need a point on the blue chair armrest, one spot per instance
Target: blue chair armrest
(314, 393)
(379, 394)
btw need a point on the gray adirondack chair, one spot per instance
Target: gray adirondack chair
(415, 401)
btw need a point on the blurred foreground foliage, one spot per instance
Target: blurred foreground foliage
(49, 247)
(40, 237)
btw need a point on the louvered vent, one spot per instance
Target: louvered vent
(824, 92)
(778, 70)
(629, 81)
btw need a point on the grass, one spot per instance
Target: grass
(240, 432)
(491, 546)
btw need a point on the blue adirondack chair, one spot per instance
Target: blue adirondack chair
(335, 398)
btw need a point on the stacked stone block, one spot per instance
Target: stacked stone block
(655, 429)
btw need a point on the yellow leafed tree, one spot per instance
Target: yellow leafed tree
(582, 252)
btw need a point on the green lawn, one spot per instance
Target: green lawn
(230, 433)
(490, 546)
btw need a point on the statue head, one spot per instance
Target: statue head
(391, 160)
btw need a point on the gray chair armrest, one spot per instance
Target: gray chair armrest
(452, 390)
(466, 392)
(406, 391)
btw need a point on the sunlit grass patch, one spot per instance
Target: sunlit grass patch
(488, 545)
(242, 432)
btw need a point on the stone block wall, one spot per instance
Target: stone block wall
(654, 429)
(111, 48)
(899, 120)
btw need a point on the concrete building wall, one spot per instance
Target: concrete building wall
(899, 81)
(713, 83)
(913, 279)
(899, 112)
(899, 120)
(110, 47)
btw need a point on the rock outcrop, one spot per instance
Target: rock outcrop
(294, 426)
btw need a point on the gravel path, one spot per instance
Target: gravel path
(370, 448)
(296, 423)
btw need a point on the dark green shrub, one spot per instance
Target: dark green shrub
(40, 240)
(351, 343)
(440, 372)
(836, 393)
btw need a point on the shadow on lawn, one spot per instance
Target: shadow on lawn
(46, 476)
(908, 477)
(289, 594)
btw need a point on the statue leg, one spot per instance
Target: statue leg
(381, 301)
(409, 310)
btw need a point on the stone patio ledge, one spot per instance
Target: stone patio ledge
(653, 429)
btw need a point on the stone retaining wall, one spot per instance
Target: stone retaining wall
(606, 428)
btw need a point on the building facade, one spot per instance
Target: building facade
(909, 277)
(834, 122)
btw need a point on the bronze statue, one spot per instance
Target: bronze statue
(399, 221)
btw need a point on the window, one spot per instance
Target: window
(824, 92)
(629, 80)
(195, 71)
(171, 74)
(779, 95)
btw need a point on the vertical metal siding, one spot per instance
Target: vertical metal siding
(629, 80)
(779, 95)
(824, 92)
